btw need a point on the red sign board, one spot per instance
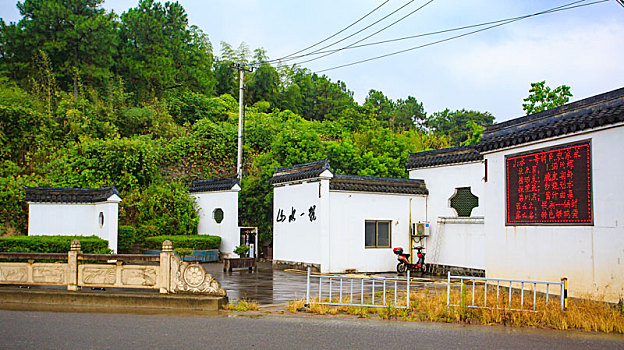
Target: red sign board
(550, 186)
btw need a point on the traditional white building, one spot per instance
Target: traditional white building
(337, 223)
(73, 212)
(549, 192)
(455, 178)
(217, 200)
(553, 196)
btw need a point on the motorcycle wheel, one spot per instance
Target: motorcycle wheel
(423, 269)
(401, 268)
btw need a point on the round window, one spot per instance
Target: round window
(101, 219)
(217, 215)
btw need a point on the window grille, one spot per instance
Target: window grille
(217, 215)
(463, 201)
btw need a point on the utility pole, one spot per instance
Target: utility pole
(241, 108)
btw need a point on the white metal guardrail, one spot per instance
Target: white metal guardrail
(511, 287)
(365, 291)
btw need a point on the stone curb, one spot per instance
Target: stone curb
(12, 298)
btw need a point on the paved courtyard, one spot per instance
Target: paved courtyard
(266, 286)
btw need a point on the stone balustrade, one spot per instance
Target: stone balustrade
(171, 275)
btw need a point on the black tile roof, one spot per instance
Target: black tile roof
(377, 184)
(69, 195)
(443, 157)
(592, 112)
(348, 182)
(300, 171)
(211, 185)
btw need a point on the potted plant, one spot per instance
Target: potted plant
(242, 250)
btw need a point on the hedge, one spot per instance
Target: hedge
(196, 242)
(126, 237)
(53, 244)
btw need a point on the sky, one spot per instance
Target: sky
(487, 71)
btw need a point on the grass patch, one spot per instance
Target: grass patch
(242, 305)
(582, 314)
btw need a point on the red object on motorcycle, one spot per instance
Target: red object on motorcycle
(398, 251)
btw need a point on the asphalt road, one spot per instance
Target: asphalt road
(57, 330)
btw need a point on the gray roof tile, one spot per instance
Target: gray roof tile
(592, 112)
(444, 156)
(212, 185)
(69, 195)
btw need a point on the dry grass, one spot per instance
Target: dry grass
(582, 314)
(242, 305)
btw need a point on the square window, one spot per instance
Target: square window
(377, 234)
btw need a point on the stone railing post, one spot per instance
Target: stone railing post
(165, 267)
(72, 264)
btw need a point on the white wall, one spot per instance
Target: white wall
(300, 240)
(74, 219)
(454, 242)
(349, 211)
(592, 257)
(208, 202)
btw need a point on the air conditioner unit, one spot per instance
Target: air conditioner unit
(420, 229)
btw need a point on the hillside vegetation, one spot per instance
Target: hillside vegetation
(89, 98)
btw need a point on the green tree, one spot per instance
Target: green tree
(322, 98)
(409, 113)
(455, 124)
(380, 106)
(264, 85)
(542, 97)
(78, 36)
(160, 52)
(160, 209)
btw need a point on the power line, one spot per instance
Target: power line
(559, 8)
(331, 36)
(351, 35)
(555, 9)
(371, 35)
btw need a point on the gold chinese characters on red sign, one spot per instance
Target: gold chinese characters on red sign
(550, 186)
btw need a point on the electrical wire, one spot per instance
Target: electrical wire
(446, 30)
(371, 35)
(351, 35)
(335, 34)
(556, 9)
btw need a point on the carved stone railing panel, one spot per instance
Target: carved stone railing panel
(139, 276)
(14, 272)
(192, 278)
(50, 273)
(97, 275)
(33, 273)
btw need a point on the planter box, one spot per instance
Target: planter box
(237, 263)
(209, 255)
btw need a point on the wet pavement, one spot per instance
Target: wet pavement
(265, 286)
(268, 286)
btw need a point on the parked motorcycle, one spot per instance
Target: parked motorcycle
(404, 263)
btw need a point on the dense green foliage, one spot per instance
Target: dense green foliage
(197, 242)
(90, 99)
(126, 238)
(53, 244)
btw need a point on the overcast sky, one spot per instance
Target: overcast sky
(488, 71)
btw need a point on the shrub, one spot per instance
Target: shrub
(196, 242)
(161, 209)
(53, 244)
(126, 237)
